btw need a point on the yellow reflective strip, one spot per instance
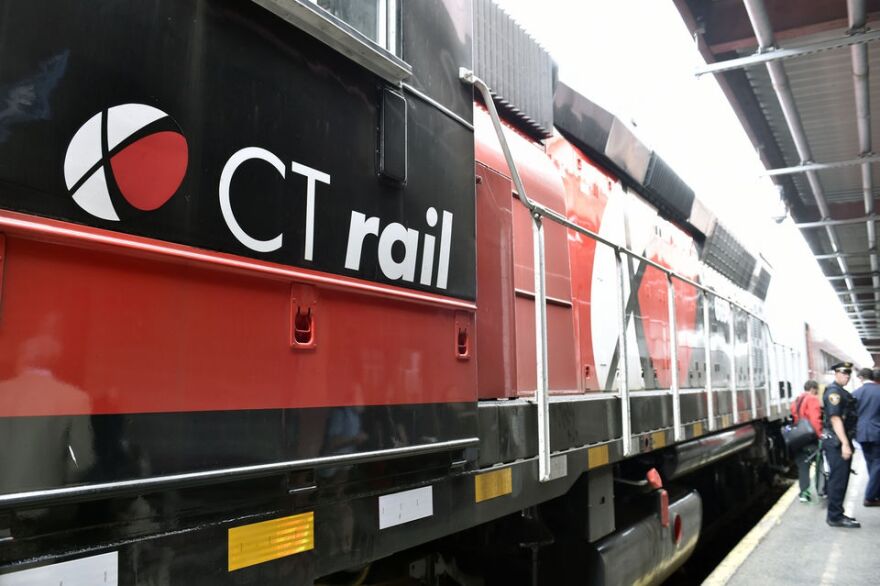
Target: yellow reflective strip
(658, 439)
(597, 456)
(270, 540)
(493, 484)
(698, 428)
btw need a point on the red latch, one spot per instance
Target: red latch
(463, 338)
(663, 505)
(2, 263)
(656, 482)
(653, 478)
(303, 325)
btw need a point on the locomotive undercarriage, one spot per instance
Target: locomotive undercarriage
(556, 542)
(524, 531)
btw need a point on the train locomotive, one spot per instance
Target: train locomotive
(299, 292)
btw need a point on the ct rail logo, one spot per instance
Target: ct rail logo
(127, 159)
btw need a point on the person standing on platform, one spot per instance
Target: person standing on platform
(868, 434)
(865, 375)
(840, 426)
(807, 405)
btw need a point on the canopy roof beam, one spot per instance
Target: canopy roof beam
(839, 222)
(772, 54)
(866, 159)
(763, 29)
(851, 276)
(836, 255)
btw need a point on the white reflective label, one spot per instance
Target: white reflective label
(99, 570)
(403, 507)
(558, 467)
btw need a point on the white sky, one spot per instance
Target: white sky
(636, 59)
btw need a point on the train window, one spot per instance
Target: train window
(365, 31)
(368, 17)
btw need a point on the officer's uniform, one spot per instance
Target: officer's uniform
(838, 401)
(868, 436)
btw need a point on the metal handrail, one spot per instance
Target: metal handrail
(545, 212)
(734, 405)
(752, 392)
(707, 342)
(538, 212)
(677, 430)
(623, 382)
(186, 479)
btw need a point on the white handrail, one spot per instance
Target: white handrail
(538, 212)
(707, 342)
(622, 365)
(677, 430)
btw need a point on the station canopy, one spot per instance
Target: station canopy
(798, 74)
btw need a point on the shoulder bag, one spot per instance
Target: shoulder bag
(799, 435)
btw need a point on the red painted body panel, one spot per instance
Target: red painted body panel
(496, 323)
(563, 178)
(543, 184)
(86, 330)
(586, 193)
(145, 326)
(654, 302)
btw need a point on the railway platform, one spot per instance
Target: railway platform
(792, 544)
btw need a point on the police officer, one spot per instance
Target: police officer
(839, 428)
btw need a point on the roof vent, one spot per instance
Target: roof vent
(611, 143)
(761, 284)
(674, 197)
(521, 74)
(726, 255)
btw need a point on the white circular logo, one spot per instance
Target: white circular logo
(126, 159)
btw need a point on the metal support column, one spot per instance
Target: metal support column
(542, 390)
(707, 342)
(753, 395)
(677, 429)
(623, 369)
(767, 380)
(789, 368)
(542, 386)
(733, 404)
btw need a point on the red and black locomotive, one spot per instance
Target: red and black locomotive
(269, 295)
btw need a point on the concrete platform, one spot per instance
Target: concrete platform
(793, 545)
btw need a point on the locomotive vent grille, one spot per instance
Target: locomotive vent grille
(726, 255)
(762, 283)
(673, 195)
(521, 74)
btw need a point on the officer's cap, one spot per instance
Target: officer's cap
(843, 366)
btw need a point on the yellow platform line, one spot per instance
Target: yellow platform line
(739, 554)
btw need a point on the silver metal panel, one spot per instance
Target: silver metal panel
(340, 36)
(790, 52)
(627, 151)
(98, 570)
(645, 553)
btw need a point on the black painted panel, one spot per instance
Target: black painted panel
(693, 407)
(392, 136)
(437, 41)
(509, 430)
(230, 75)
(651, 412)
(50, 452)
